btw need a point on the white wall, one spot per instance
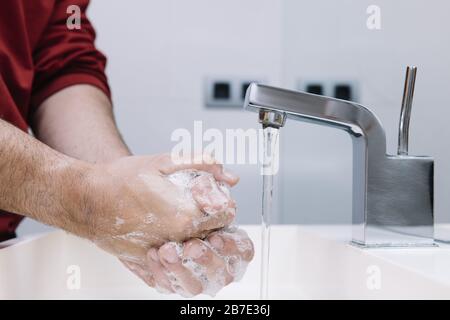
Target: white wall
(159, 52)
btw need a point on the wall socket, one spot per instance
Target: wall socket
(344, 89)
(226, 92)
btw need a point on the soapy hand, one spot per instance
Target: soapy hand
(143, 202)
(168, 223)
(197, 266)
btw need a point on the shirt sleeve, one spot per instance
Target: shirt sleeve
(65, 57)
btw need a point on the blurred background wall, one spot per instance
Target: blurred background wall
(161, 51)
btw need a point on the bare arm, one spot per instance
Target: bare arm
(34, 181)
(78, 121)
(107, 203)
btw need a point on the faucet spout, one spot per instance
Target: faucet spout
(392, 195)
(354, 118)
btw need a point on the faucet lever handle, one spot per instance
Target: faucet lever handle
(405, 114)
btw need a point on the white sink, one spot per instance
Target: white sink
(307, 262)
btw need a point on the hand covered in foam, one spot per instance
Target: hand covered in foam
(197, 266)
(137, 203)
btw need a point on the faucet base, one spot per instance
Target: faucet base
(397, 237)
(399, 210)
(394, 245)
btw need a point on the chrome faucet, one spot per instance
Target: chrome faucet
(392, 194)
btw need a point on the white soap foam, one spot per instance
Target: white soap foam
(119, 222)
(149, 218)
(236, 267)
(185, 179)
(176, 285)
(136, 237)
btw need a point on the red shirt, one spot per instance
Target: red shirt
(39, 56)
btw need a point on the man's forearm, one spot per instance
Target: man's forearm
(35, 181)
(78, 121)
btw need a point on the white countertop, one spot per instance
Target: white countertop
(306, 262)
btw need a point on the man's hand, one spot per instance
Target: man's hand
(197, 266)
(141, 215)
(131, 205)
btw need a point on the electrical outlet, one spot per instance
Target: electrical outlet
(316, 88)
(337, 88)
(221, 92)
